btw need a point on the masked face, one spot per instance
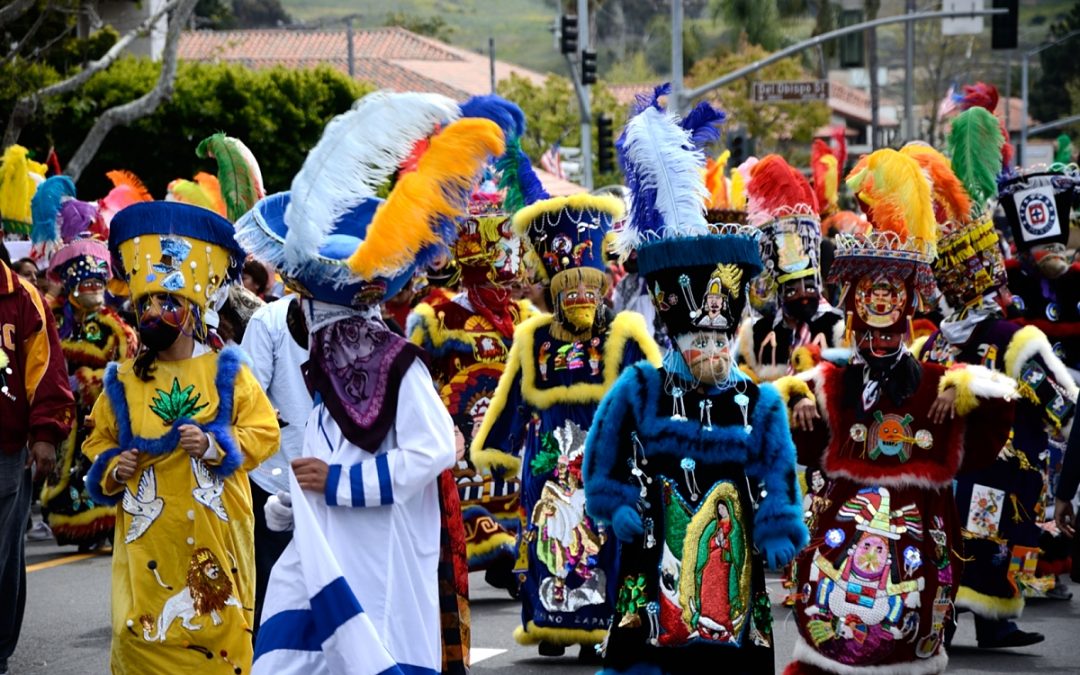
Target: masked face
(161, 319)
(579, 306)
(801, 298)
(874, 344)
(1052, 260)
(707, 354)
(89, 295)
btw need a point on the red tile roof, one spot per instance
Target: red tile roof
(389, 57)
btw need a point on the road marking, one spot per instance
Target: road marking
(57, 562)
(478, 654)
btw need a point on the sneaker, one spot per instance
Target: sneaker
(551, 649)
(39, 532)
(1017, 638)
(1059, 592)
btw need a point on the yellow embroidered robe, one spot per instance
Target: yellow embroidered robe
(183, 571)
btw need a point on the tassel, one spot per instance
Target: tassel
(688, 466)
(653, 610)
(678, 407)
(639, 447)
(705, 414)
(650, 539)
(641, 476)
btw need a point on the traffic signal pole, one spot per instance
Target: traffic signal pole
(582, 91)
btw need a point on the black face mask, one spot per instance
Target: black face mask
(801, 309)
(158, 336)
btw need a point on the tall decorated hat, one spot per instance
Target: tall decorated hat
(19, 178)
(1037, 202)
(66, 232)
(698, 273)
(885, 272)
(970, 264)
(782, 204)
(487, 248)
(332, 239)
(175, 248)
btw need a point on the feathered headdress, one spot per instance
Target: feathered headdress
(241, 183)
(951, 200)
(783, 205)
(204, 191)
(975, 142)
(1063, 154)
(45, 208)
(894, 193)
(985, 96)
(778, 189)
(825, 168)
(715, 182)
(19, 178)
(127, 190)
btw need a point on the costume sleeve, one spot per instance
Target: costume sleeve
(985, 398)
(417, 329)
(1041, 376)
(45, 376)
(607, 485)
(424, 449)
(809, 445)
(254, 433)
(639, 343)
(778, 524)
(497, 444)
(258, 344)
(102, 448)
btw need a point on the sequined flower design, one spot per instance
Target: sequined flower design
(176, 403)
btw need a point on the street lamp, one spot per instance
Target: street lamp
(1024, 61)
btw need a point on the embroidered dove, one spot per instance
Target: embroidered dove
(208, 492)
(144, 505)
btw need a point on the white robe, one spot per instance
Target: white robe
(380, 540)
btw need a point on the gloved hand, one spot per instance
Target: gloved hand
(777, 551)
(627, 523)
(278, 511)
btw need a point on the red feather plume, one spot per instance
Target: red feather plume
(776, 188)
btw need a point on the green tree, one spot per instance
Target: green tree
(793, 124)
(551, 111)
(434, 26)
(1049, 96)
(279, 113)
(759, 19)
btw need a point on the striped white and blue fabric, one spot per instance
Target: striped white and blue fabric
(362, 484)
(313, 623)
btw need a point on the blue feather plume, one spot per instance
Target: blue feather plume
(703, 123)
(664, 173)
(517, 178)
(643, 101)
(506, 114)
(45, 207)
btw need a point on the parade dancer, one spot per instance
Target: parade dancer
(357, 589)
(876, 583)
(91, 336)
(691, 464)
(557, 371)
(468, 336)
(999, 504)
(174, 435)
(782, 204)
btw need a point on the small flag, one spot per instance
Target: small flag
(552, 162)
(53, 162)
(949, 104)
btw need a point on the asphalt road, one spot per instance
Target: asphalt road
(66, 630)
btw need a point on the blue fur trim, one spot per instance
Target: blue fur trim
(710, 249)
(603, 494)
(479, 561)
(229, 362)
(95, 478)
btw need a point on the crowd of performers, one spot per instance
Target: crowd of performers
(621, 407)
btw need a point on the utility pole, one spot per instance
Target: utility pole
(582, 91)
(872, 7)
(351, 49)
(491, 59)
(675, 98)
(910, 132)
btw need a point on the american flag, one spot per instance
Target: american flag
(949, 104)
(552, 162)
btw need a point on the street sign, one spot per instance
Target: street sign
(790, 91)
(962, 25)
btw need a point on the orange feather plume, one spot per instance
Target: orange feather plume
(715, 181)
(951, 200)
(212, 187)
(895, 195)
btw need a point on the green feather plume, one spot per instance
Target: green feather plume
(1063, 154)
(238, 172)
(975, 143)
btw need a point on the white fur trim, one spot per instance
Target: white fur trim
(1040, 346)
(986, 383)
(807, 654)
(896, 481)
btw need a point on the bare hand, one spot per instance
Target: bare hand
(42, 457)
(944, 406)
(804, 414)
(126, 465)
(1065, 517)
(194, 440)
(311, 473)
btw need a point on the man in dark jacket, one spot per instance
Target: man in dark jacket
(36, 407)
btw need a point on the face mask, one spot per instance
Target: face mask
(801, 309)
(161, 320)
(1053, 261)
(707, 354)
(158, 335)
(89, 295)
(579, 306)
(880, 349)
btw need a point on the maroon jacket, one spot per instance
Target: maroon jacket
(35, 399)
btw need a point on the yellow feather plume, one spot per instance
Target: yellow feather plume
(17, 188)
(738, 191)
(895, 193)
(715, 182)
(212, 188)
(408, 221)
(951, 200)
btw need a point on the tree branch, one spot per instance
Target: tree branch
(26, 106)
(29, 34)
(14, 10)
(127, 113)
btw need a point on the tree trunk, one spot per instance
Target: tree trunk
(27, 106)
(872, 7)
(124, 114)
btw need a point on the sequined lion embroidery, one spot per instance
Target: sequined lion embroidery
(208, 590)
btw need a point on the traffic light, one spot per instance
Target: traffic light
(588, 67)
(568, 34)
(737, 144)
(1003, 26)
(605, 144)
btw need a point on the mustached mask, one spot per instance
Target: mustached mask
(162, 318)
(89, 295)
(707, 354)
(578, 305)
(801, 299)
